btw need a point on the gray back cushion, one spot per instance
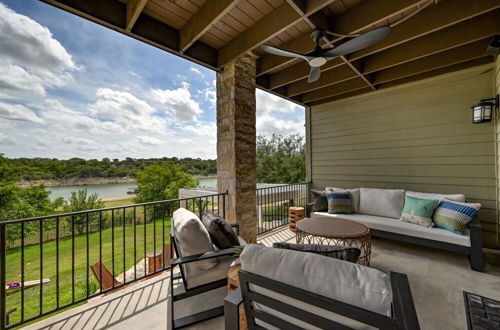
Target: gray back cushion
(382, 202)
(320, 201)
(342, 253)
(351, 283)
(220, 231)
(421, 195)
(192, 237)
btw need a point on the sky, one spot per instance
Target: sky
(72, 88)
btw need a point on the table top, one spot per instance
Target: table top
(332, 227)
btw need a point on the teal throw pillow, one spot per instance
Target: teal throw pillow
(419, 211)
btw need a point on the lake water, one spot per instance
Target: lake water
(110, 190)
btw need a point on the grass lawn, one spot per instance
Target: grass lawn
(123, 252)
(119, 202)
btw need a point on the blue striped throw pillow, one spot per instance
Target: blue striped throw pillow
(454, 216)
(339, 202)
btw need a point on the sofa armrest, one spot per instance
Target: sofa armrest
(203, 256)
(232, 311)
(236, 228)
(309, 209)
(476, 245)
(403, 305)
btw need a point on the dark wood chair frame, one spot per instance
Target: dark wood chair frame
(474, 252)
(403, 309)
(193, 291)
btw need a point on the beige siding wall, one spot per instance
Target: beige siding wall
(417, 137)
(497, 136)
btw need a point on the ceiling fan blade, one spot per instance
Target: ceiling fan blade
(314, 74)
(365, 40)
(282, 52)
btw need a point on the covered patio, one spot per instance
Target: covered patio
(394, 115)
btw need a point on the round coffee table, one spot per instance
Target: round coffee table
(327, 230)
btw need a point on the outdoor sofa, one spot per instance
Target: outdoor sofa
(286, 289)
(380, 210)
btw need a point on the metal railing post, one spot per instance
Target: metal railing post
(3, 269)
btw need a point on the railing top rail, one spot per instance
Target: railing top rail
(283, 185)
(6, 222)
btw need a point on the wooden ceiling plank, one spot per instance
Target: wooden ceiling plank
(453, 56)
(269, 26)
(446, 13)
(134, 9)
(344, 87)
(365, 15)
(439, 16)
(457, 35)
(210, 12)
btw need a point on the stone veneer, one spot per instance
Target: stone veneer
(236, 155)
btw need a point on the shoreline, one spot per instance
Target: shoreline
(91, 181)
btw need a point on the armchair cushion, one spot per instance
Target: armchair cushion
(192, 238)
(354, 284)
(337, 252)
(220, 231)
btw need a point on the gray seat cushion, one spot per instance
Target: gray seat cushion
(220, 231)
(337, 252)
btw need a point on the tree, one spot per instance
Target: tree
(161, 181)
(81, 201)
(281, 159)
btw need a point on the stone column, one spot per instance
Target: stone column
(236, 165)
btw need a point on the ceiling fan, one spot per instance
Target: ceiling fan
(320, 56)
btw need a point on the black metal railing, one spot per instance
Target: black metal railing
(273, 203)
(131, 242)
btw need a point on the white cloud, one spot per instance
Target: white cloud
(132, 73)
(149, 140)
(267, 103)
(178, 102)
(6, 139)
(31, 60)
(18, 112)
(195, 70)
(201, 129)
(267, 125)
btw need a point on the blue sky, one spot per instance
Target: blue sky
(71, 88)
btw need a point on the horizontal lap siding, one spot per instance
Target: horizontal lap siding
(416, 137)
(497, 133)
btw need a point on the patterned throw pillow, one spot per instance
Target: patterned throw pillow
(339, 202)
(419, 211)
(454, 216)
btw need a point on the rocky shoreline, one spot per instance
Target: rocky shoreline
(77, 181)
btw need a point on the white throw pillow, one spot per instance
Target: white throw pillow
(421, 195)
(351, 283)
(354, 196)
(192, 237)
(382, 202)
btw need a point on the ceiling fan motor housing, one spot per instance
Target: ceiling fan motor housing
(317, 61)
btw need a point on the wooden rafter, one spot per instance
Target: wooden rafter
(201, 22)
(460, 34)
(134, 9)
(344, 87)
(432, 19)
(269, 26)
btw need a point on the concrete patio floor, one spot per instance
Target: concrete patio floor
(437, 281)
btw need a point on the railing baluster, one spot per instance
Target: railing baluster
(57, 263)
(113, 244)
(3, 270)
(154, 237)
(41, 266)
(22, 271)
(73, 258)
(100, 251)
(135, 243)
(164, 262)
(88, 257)
(124, 261)
(145, 248)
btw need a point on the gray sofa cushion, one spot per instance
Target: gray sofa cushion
(382, 202)
(192, 237)
(320, 201)
(337, 252)
(421, 195)
(355, 194)
(220, 231)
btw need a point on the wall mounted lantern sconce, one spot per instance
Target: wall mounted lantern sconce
(483, 111)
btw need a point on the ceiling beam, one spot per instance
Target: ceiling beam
(460, 34)
(341, 96)
(450, 57)
(457, 35)
(441, 15)
(134, 9)
(344, 87)
(202, 21)
(266, 28)
(354, 20)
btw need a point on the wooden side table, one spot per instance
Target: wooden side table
(295, 214)
(233, 282)
(154, 261)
